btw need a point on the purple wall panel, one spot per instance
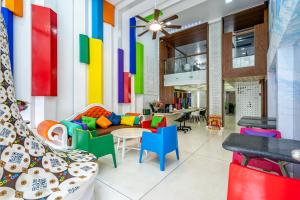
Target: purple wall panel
(121, 75)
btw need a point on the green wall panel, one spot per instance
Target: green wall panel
(139, 76)
(84, 49)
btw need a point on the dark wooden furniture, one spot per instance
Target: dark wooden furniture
(276, 150)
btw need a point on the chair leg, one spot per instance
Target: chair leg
(162, 162)
(177, 154)
(114, 159)
(141, 155)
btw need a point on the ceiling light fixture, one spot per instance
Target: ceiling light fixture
(228, 1)
(168, 23)
(155, 26)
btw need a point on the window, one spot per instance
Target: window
(243, 49)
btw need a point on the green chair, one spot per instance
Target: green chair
(90, 142)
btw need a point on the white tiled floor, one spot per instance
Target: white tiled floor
(201, 172)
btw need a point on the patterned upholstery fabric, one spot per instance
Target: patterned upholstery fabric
(28, 168)
(94, 112)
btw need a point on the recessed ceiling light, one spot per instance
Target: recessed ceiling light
(228, 1)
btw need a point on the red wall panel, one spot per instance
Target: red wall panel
(44, 51)
(127, 87)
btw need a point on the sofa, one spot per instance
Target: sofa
(96, 111)
(57, 137)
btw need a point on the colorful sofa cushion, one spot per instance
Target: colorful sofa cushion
(70, 126)
(90, 122)
(79, 122)
(127, 120)
(155, 121)
(94, 112)
(103, 122)
(115, 119)
(137, 119)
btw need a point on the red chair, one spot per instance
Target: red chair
(259, 162)
(245, 184)
(147, 125)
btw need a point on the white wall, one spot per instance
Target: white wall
(74, 18)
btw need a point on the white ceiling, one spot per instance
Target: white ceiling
(188, 10)
(211, 10)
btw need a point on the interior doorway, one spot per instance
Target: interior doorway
(229, 104)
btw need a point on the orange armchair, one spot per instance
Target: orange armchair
(147, 125)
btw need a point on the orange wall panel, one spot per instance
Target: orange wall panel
(16, 6)
(109, 13)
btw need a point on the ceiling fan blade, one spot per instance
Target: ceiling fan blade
(154, 35)
(141, 18)
(156, 14)
(174, 26)
(170, 18)
(143, 33)
(165, 32)
(137, 26)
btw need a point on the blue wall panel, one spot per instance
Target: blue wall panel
(8, 18)
(97, 19)
(132, 46)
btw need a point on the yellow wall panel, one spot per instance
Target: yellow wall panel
(95, 72)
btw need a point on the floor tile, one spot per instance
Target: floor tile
(197, 178)
(104, 192)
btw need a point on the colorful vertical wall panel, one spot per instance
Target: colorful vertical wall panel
(127, 87)
(139, 76)
(44, 51)
(108, 13)
(132, 46)
(95, 72)
(16, 6)
(182, 99)
(120, 75)
(84, 49)
(8, 19)
(97, 19)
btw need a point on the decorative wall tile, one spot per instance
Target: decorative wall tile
(139, 76)
(248, 99)
(127, 87)
(84, 49)
(16, 6)
(132, 46)
(108, 13)
(44, 51)
(97, 19)
(95, 72)
(9, 23)
(120, 75)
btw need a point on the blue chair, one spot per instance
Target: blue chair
(162, 143)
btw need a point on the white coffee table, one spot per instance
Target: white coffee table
(128, 133)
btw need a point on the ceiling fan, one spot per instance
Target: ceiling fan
(157, 25)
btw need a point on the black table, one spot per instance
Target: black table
(258, 122)
(275, 150)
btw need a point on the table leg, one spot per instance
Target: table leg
(123, 148)
(245, 160)
(118, 146)
(283, 168)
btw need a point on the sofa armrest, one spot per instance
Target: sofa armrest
(163, 123)
(146, 124)
(102, 145)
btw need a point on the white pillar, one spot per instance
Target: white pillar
(80, 69)
(215, 68)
